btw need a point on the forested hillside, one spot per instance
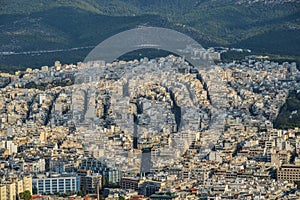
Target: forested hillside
(265, 26)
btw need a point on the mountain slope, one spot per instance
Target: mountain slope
(264, 26)
(60, 29)
(108, 7)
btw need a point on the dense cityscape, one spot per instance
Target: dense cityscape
(148, 129)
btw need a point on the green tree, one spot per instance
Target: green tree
(26, 195)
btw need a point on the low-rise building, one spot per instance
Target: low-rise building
(58, 183)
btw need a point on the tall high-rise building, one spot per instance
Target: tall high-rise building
(111, 177)
(11, 191)
(146, 161)
(27, 183)
(16, 185)
(3, 195)
(93, 184)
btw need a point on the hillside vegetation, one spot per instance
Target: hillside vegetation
(272, 28)
(289, 116)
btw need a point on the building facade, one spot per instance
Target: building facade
(289, 172)
(57, 184)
